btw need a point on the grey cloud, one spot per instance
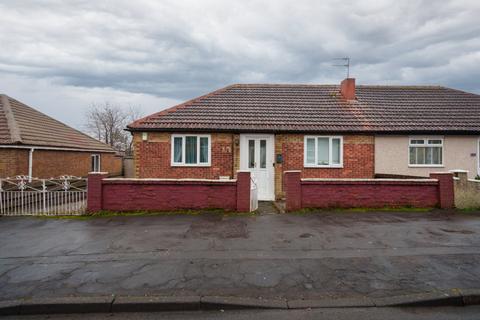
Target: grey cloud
(180, 49)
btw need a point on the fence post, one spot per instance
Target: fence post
(293, 190)
(243, 191)
(445, 188)
(94, 191)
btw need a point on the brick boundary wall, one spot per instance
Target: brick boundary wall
(112, 194)
(369, 193)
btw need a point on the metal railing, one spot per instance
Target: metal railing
(22, 195)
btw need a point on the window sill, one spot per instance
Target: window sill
(426, 166)
(323, 166)
(190, 165)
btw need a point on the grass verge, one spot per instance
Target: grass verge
(110, 214)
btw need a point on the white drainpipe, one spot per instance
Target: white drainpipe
(30, 164)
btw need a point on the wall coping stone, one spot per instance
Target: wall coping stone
(368, 180)
(167, 181)
(441, 172)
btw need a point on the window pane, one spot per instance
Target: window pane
(436, 155)
(95, 163)
(177, 149)
(417, 141)
(413, 155)
(310, 150)
(251, 153)
(335, 151)
(204, 150)
(428, 155)
(323, 153)
(420, 155)
(263, 153)
(435, 141)
(190, 149)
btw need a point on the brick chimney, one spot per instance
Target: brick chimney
(347, 88)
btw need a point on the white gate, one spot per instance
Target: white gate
(253, 195)
(66, 195)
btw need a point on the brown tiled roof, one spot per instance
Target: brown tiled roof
(23, 125)
(320, 108)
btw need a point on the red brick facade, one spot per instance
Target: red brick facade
(167, 195)
(54, 163)
(370, 193)
(358, 159)
(153, 158)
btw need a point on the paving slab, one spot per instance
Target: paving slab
(427, 299)
(470, 296)
(216, 302)
(66, 305)
(360, 302)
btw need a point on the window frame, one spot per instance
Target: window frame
(92, 159)
(425, 145)
(330, 155)
(183, 163)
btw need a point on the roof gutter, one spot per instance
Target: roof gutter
(15, 135)
(367, 132)
(9, 146)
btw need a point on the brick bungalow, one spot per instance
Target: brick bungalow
(326, 131)
(33, 144)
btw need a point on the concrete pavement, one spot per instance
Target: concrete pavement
(303, 257)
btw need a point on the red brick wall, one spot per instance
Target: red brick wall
(369, 193)
(376, 194)
(53, 163)
(153, 158)
(358, 159)
(13, 162)
(167, 195)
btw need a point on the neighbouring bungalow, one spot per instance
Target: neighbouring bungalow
(326, 131)
(36, 145)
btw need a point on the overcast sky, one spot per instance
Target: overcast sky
(61, 56)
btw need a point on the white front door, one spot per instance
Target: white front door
(257, 156)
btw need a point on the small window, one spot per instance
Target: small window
(263, 154)
(323, 152)
(190, 150)
(427, 152)
(95, 166)
(251, 153)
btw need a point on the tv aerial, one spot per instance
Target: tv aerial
(346, 64)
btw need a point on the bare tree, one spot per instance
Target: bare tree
(107, 122)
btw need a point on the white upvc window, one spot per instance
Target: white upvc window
(425, 152)
(191, 150)
(95, 163)
(323, 151)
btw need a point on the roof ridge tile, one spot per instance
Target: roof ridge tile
(15, 134)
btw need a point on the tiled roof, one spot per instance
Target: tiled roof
(320, 108)
(23, 125)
